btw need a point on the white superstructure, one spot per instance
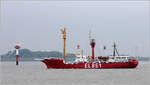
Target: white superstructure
(80, 58)
(118, 58)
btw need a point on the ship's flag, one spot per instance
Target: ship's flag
(78, 46)
(104, 47)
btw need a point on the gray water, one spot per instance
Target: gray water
(36, 73)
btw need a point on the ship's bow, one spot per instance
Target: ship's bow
(53, 63)
(133, 63)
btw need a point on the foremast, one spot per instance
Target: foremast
(64, 38)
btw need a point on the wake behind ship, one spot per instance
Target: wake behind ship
(90, 62)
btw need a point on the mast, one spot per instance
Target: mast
(82, 53)
(89, 42)
(64, 38)
(92, 43)
(115, 49)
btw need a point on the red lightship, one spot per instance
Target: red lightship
(90, 62)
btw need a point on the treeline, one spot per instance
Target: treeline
(28, 55)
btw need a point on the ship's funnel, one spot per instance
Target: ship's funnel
(92, 43)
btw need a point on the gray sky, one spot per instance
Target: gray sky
(36, 25)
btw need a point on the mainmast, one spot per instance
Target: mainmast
(92, 43)
(64, 38)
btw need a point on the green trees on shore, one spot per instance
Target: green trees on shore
(28, 55)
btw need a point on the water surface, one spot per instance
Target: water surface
(36, 73)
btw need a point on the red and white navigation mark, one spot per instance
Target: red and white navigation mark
(17, 47)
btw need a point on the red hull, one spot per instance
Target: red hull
(59, 64)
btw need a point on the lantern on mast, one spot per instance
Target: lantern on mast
(92, 43)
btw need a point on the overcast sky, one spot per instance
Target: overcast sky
(36, 25)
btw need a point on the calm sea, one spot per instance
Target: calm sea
(36, 73)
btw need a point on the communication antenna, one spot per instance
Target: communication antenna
(89, 35)
(89, 41)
